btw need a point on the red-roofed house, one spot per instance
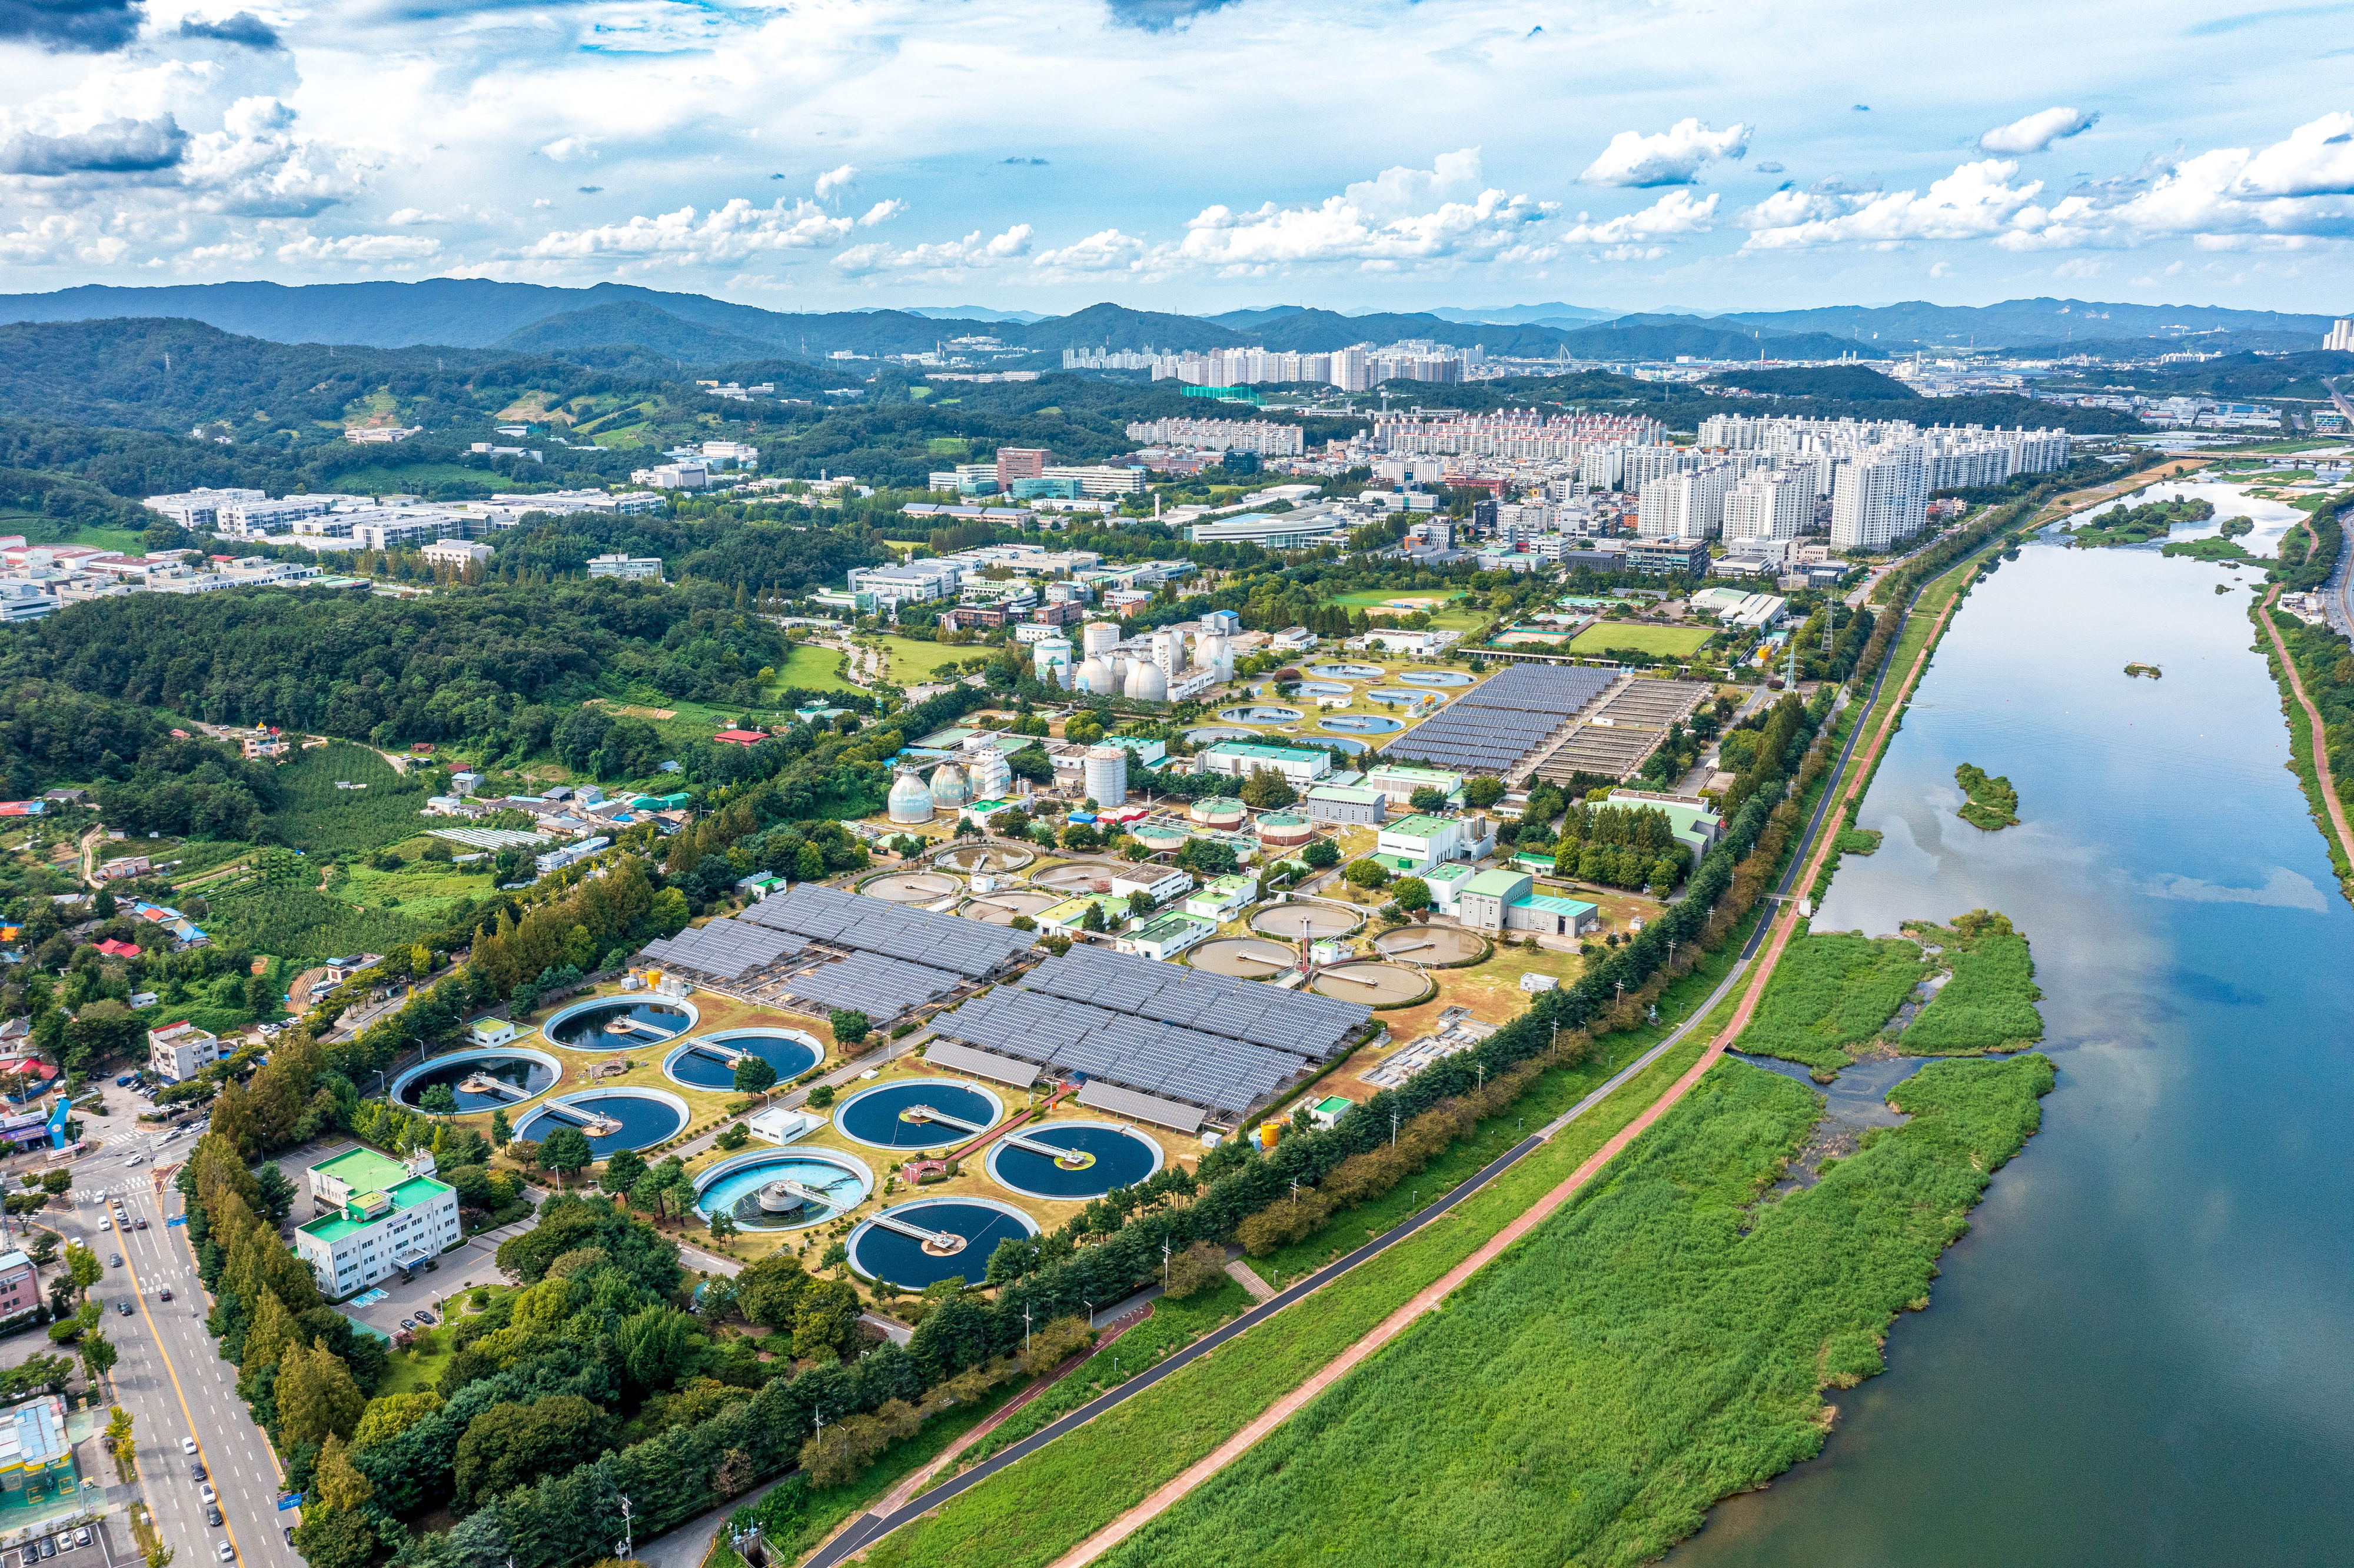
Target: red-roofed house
(739, 737)
(119, 949)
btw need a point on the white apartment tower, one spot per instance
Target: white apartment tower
(1776, 504)
(1684, 506)
(2341, 338)
(1879, 497)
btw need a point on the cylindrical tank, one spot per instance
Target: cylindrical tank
(1147, 683)
(1095, 677)
(990, 774)
(1065, 675)
(1169, 651)
(1099, 637)
(1270, 1133)
(949, 791)
(1284, 830)
(1157, 840)
(1105, 769)
(1220, 811)
(910, 802)
(1046, 653)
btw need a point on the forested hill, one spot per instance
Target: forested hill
(496, 666)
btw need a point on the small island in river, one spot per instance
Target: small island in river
(1993, 804)
(2152, 670)
(2139, 524)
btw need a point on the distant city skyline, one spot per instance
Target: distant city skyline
(1186, 155)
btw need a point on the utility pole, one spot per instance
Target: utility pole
(1393, 1121)
(1025, 1328)
(1164, 1263)
(628, 1536)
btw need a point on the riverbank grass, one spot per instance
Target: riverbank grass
(1989, 1003)
(1833, 992)
(1662, 1342)
(1993, 804)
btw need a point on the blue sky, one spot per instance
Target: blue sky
(1194, 156)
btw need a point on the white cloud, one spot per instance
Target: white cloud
(564, 148)
(1108, 250)
(392, 249)
(2318, 159)
(728, 233)
(2036, 131)
(882, 212)
(972, 253)
(834, 180)
(1401, 216)
(1673, 157)
(407, 216)
(2077, 267)
(1976, 201)
(1678, 212)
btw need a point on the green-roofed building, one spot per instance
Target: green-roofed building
(1299, 765)
(375, 1215)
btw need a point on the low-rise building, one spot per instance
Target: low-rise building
(1548, 915)
(1221, 897)
(376, 1215)
(1157, 882)
(1414, 844)
(1167, 937)
(628, 567)
(1345, 804)
(1481, 901)
(178, 1052)
(1696, 826)
(37, 1454)
(1238, 758)
(1399, 780)
(459, 553)
(20, 1285)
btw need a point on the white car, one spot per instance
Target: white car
(227, 1553)
(105, 1223)
(187, 1444)
(136, 1160)
(206, 1493)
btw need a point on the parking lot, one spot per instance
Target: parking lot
(89, 1544)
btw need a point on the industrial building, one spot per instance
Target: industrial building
(376, 1215)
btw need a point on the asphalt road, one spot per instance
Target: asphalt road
(169, 1376)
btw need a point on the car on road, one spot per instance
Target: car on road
(227, 1553)
(105, 1223)
(165, 1294)
(116, 1259)
(187, 1444)
(212, 1516)
(124, 1307)
(141, 1223)
(136, 1160)
(196, 1472)
(208, 1497)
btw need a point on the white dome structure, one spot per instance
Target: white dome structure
(949, 791)
(1146, 683)
(910, 802)
(991, 776)
(1096, 677)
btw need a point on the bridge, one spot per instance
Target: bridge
(484, 1083)
(1068, 1159)
(593, 1123)
(938, 1243)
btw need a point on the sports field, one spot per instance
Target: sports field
(1660, 642)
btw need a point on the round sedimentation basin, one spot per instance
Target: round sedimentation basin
(707, 1061)
(645, 1117)
(1103, 1155)
(1374, 984)
(912, 888)
(620, 1023)
(1428, 944)
(783, 1190)
(969, 1229)
(885, 1116)
(1305, 922)
(525, 1075)
(1245, 958)
(1001, 908)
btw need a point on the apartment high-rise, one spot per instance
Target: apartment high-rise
(1882, 495)
(1684, 506)
(2340, 338)
(1776, 504)
(1020, 462)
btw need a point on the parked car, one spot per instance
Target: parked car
(65, 1540)
(425, 1315)
(48, 1546)
(409, 1322)
(82, 1537)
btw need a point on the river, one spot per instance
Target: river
(2143, 1352)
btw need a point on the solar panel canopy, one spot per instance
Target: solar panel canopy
(1492, 726)
(970, 947)
(726, 949)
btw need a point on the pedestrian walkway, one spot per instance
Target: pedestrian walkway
(1247, 1278)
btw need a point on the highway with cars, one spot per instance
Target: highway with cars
(181, 1394)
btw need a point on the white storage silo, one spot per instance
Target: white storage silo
(1105, 769)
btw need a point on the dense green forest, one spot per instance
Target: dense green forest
(2233, 376)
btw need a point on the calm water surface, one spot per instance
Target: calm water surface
(2144, 1352)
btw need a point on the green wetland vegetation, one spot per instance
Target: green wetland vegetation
(1832, 993)
(2139, 524)
(1993, 804)
(1840, 995)
(1663, 1341)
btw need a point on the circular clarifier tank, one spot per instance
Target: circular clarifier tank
(620, 1022)
(1261, 713)
(1347, 671)
(1400, 694)
(1363, 723)
(912, 888)
(1429, 945)
(1305, 922)
(613, 1119)
(1209, 734)
(1245, 958)
(505, 1077)
(1435, 678)
(953, 1237)
(1374, 985)
(1325, 688)
(783, 1192)
(908, 1115)
(1096, 1157)
(708, 1061)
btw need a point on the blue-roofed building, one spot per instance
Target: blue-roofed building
(36, 1460)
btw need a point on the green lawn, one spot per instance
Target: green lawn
(911, 661)
(811, 669)
(418, 1367)
(121, 541)
(1366, 599)
(394, 479)
(1660, 642)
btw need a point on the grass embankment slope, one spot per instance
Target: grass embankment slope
(1662, 1343)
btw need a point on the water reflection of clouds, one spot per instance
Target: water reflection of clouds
(2283, 889)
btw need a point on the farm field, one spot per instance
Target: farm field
(1572, 1357)
(1660, 642)
(319, 818)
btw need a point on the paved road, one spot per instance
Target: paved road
(169, 1376)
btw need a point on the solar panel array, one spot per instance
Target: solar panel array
(970, 948)
(1491, 728)
(871, 984)
(725, 949)
(1208, 1070)
(1301, 1023)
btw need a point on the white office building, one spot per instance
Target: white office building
(178, 1052)
(1880, 496)
(375, 1215)
(201, 509)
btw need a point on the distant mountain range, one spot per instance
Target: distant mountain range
(456, 312)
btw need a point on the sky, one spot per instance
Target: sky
(1192, 156)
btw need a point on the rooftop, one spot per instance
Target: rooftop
(33, 1433)
(1348, 792)
(1170, 926)
(1555, 902)
(1402, 770)
(1255, 748)
(1498, 883)
(1417, 827)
